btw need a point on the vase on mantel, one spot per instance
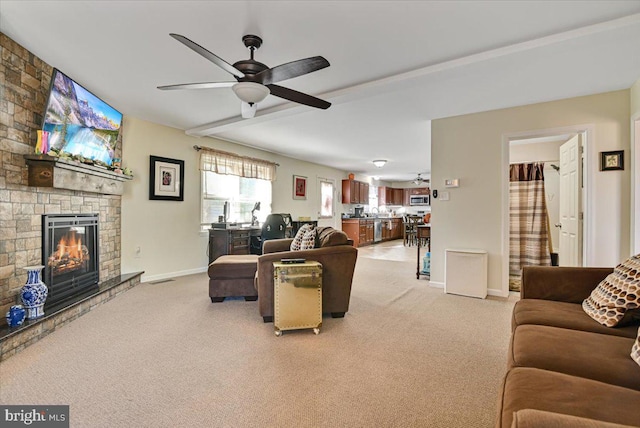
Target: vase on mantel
(34, 292)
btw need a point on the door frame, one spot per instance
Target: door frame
(590, 165)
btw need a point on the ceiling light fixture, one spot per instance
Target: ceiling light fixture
(379, 163)
(250, 92)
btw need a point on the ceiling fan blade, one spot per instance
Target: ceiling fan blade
(203, 85)
(298, 97)
(292, 69)
(248, 111)
(208, 55)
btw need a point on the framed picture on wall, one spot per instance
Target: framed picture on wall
(166, 179)
(299, 187)
(611, 161)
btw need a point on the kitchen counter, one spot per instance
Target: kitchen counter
(363, 230)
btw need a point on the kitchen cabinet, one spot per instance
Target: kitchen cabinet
(369, 233)
(352, 228)
(361, 231)
(391, 196)
(386, 196)
(397, 197)
(391, 229)
(355, 192)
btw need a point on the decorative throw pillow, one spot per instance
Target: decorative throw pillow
(309, 239)
(618, 293)
(296, 244)
(635, 350)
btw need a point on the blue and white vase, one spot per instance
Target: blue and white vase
(34, 292)
(15, 316)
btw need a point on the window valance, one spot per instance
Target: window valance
(232, 164)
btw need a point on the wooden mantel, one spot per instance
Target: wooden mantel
(50, 171)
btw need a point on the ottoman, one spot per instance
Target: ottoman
(233, 275)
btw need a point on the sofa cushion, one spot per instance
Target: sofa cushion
(531, 388)
(305, 238)
(531, 418)
(562, 314)
(635, 350)
(617, 293)
(590, 355)
(330, 237)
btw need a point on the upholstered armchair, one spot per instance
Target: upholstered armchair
(333, 250)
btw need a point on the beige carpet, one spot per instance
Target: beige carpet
(405, 355)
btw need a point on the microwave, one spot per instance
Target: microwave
(416, 200)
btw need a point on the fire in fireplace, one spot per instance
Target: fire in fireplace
(70, 255)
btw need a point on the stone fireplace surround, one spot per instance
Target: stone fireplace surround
(24, 86)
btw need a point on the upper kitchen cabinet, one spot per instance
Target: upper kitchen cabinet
(355, 192)
(390, 196)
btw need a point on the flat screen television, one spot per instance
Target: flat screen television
(80, 123)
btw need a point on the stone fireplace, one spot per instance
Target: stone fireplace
(70, 244)
(91, 212)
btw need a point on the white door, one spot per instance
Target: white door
(570, 202)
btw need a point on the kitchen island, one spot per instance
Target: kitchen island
(369, 230)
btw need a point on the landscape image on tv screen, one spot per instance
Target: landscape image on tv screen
(80, 123)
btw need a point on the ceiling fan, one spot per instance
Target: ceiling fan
(254, 80)
(419, 180)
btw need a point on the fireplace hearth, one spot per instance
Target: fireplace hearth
(70, 256)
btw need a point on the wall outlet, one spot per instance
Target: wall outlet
(138, 252)
(444, 196)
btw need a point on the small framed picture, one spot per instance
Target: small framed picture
(166, 179)
(299, 187)
(610, 161)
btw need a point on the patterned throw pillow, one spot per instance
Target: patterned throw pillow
(297, 243)
(618, 293)
(309, 239)
(635, 350)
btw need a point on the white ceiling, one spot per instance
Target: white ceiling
(394, 65)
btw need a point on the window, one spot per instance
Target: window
(241, 194)
(237, 182)
(326, 198)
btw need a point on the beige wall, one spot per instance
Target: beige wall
(635, 161)
(473, 149)
(167, 232)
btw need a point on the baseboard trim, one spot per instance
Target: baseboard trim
(490, 291)
(496, 292)
(152, 278)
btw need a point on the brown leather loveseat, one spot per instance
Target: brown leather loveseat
(334, 250)
(564, 368)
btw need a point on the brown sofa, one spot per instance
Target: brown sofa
(564, 368)
(334, 250)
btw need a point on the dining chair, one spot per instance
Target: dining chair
(410, 223)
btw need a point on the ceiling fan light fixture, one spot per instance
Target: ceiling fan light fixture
(248, 110)
(250, 92)
(379, 163)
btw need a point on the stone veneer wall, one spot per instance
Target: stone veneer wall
(24, 88)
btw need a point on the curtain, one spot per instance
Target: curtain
(232, 164)
(528, 219)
